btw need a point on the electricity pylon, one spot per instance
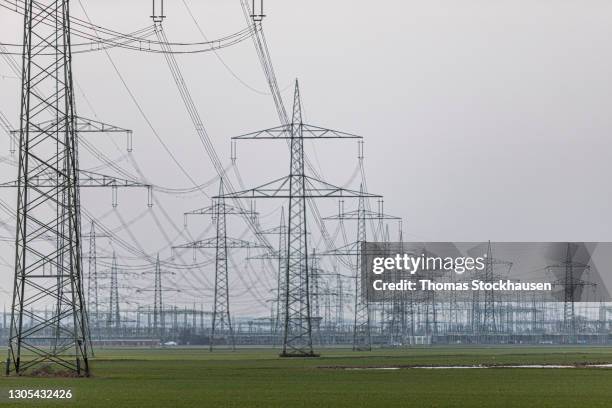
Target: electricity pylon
(315, 295)
(49, 271)
(114, 316)
(277, 255)
(485, 316)
(159, 313)
(221, 310)
(489, 323)
(362, 339)
(572, 284)
(92, 281)
(158, 304)
(297, 187)
(93, 309)
(221, 319)
(281, 284)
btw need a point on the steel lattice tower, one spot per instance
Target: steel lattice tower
(298, 330)
(92, 278)
(158, 305)
(476, 315)
(569, 317)
(488, 318)
(570, 273)
(489, 323)
(281, 231)
(221, 311)
(48, 271)
(278, 256)
(397, 320)
(114, 317)
(362, 339)
(282, 274)
(221, 322)
(315, 295)
(297, 188)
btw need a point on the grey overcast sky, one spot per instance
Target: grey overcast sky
(482, 119)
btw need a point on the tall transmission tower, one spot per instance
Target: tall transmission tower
(279, 256)
(281, 285)
(485, 317)
(573, 285)
(315, 294)
(48, 258)
(221, 310)
(297, 187)
(221, 319)
(92, 278)
(489, 323)
(114, 316)
(158, 305)
(361, 318)
(158, 326)
(362, 338)
(48, 271)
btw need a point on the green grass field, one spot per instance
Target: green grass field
(191, 377)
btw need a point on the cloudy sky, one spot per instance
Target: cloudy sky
(482, 119)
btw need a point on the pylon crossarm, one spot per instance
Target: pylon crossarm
(212, 243)
(86, 179)
(228, 209)
(313, 188)
(84, 125)
(90, 125)
(368, 214)
(308, 132)
(91, 179)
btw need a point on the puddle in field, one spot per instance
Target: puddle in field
(476, 367)
(372, 368)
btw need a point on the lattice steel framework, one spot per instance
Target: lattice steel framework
(485, 315)
(362, 339)
(297, 188)
(572, 283)
(279, 257)
(114, 315)
(221, 319)
(489, 324)
(92, 279)
(158, 304)
(221, 310)
(48, 271)
(281, 291)
(297, 328)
